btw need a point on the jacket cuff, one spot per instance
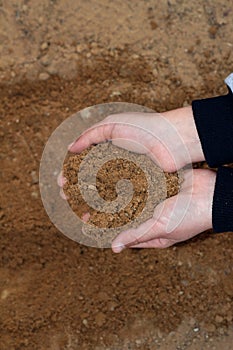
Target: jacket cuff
(214, 122)
(222, 211)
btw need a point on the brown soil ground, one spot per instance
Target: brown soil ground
(55, 60)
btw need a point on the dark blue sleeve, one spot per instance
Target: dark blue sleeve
(214, 122)
(222, 212)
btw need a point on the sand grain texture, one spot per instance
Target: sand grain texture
(150, 187)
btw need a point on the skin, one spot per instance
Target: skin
(172, 141)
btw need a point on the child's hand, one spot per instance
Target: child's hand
(170, 139)
(173, 221)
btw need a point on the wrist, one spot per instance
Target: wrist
(183, 120)
(191, 136)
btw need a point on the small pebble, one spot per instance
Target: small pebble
(34, 176)
(219, 319)
(35, 194)
(186, 104)
(80, 48)
(44, 46)
(43, 76)
(112, 305)
(85, 322)
(4, 294)
(94, 51)
(115, 93)
(45, 60)
(155, 72)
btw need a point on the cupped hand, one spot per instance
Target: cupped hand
(170, 139)
(177, 218)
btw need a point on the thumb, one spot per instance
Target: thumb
(99, 132)
(153, 228)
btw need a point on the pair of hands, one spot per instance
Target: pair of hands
(172, 141)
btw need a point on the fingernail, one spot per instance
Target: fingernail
(70, 145)
(61, 180)
(86, 217)
(118, 248)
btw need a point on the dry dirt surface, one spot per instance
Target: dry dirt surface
(57, 57)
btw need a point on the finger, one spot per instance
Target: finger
(85, 217)
(61, 180)
(62, 194)
(153, 228)
(131, 236)
(156, 243)
(98, 133)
